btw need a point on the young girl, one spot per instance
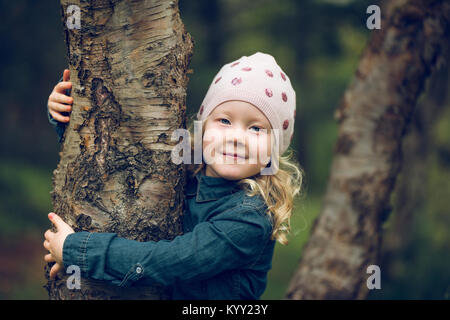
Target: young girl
(233, 213)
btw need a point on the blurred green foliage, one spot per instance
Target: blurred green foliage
(25, 192)
(317, 43)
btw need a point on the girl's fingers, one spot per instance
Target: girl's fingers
(49, 258)
(59, 223)
(48, 235)
(54, 270)
(66, 75)
(47, 245)
(59, 107)
(58, 117)
(62, 86)
(61, 98)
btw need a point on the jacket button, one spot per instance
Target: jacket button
(138, 270)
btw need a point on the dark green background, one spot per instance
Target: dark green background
(317, 43)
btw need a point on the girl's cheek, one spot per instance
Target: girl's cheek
(212, 138)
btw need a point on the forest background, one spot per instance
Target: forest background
(317, 42)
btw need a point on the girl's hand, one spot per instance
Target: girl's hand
(58, 101)
(54, 243)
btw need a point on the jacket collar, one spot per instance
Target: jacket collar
(208, 188)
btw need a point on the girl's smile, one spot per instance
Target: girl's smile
(234, 156)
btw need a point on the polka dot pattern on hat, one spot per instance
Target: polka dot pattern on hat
(236, 81)
(258, 80)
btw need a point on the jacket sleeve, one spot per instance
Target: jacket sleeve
(60, 127)
(233, 239)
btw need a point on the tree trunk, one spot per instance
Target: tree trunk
(411, 186)
(373, 116)
(128, 66)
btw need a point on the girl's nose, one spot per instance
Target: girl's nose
(235, 144)
(236, 139)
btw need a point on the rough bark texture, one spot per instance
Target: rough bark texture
(128, 66)
(373, 117)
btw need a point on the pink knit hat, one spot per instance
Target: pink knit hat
(258, 80)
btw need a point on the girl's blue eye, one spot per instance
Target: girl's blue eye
(228, 122)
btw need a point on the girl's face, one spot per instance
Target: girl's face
(236, 128)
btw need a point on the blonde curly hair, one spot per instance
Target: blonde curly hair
(278, 190)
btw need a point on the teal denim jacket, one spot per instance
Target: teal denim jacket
(224, 253)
